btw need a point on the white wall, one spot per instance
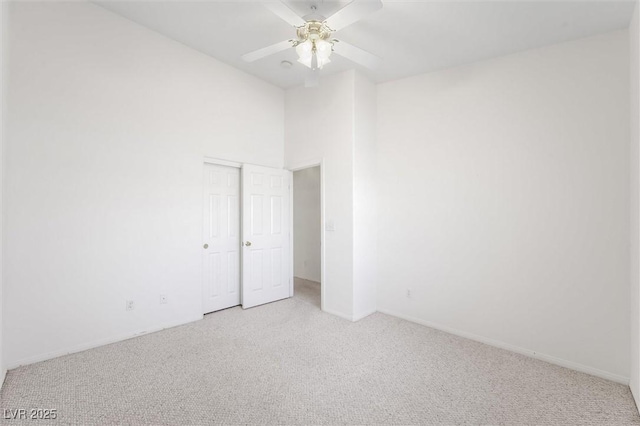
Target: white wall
(109, 126)
(4, 33)
(328, 107)
(504, 202)
(306, 224)
(344, 107)
(365, 208)
(634, 197)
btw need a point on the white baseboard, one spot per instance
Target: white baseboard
(633, 386)
(338, 314)
(361, 315)
(96, 343)
(352, 318)
(528, 352)
(307, 279)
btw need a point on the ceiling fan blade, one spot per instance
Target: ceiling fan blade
(312, 79)
(354, 11)
(357, 55)
(284, 13)
(266, 51)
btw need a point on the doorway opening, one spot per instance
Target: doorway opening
(307, 234)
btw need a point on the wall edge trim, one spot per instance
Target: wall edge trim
(364, 314)
(512, 348)
(97, 343)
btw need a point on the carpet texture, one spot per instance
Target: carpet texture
(289, 363)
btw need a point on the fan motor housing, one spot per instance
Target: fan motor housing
(313, 30)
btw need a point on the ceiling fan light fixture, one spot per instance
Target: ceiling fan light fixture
(306, 62)
(323, 51)
(313, 45)
(305, 52)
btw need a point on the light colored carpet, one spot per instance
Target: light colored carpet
(307, 291)
(289, 363)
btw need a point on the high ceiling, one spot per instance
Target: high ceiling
(411, 37)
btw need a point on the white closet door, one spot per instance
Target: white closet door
(266, 275)
(221, 275)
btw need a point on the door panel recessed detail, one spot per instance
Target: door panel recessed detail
(276, 267)
(276, 181)
(257, 218)
(214, 216)
(276, 215)
(221, 237)
(214, 261)
(256, 269)
(265, 223)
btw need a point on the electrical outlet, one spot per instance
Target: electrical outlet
(408, 294)
(130, 306)
(163, 299)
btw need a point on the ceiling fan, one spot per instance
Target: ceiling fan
(314, 43)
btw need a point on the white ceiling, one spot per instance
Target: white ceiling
(411, 37)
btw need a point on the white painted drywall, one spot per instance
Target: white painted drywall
(319, 125)
(4, 33)
(306, 224)
(634, 198)
(110, 123)
(365, 208)
(504, 201)
(335, 122)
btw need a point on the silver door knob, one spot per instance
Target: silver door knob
(206, 246)
(248, 243)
